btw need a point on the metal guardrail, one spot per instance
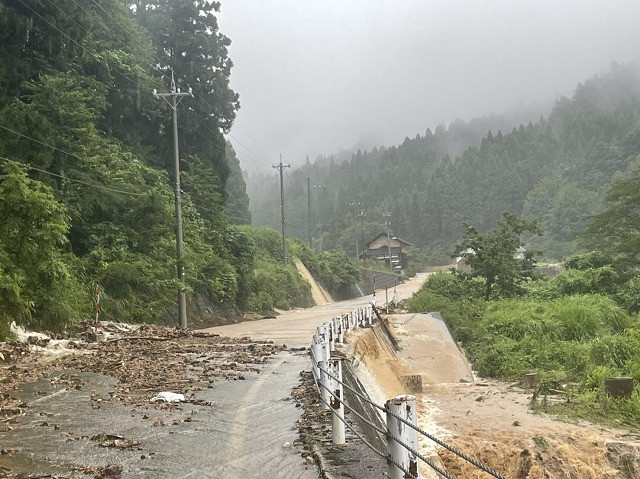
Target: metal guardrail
(401, 433)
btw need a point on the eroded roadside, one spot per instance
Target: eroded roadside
(351, 460)
(489, 420)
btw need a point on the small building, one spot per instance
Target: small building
(460, 263)
(382, 246)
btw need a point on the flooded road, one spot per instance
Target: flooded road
(246, 431)
(247, 427)
(296, 328)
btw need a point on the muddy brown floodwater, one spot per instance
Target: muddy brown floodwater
(489, 420)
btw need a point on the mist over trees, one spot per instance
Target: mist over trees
(556, 169)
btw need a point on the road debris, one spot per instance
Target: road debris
(143, 359)
(168, 396)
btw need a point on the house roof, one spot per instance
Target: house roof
(404, 243)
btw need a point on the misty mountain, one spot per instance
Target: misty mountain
(556, 169)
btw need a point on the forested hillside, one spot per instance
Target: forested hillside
(86, 161)
(557, 170)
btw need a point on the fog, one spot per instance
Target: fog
(316, 77)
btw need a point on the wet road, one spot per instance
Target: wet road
(248, 428)
(247, 432)
(296, 328)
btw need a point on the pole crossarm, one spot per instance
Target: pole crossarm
(280, 167)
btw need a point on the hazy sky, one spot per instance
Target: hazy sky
(317, 76)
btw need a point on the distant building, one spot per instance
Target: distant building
(460, 263)
(379, 247)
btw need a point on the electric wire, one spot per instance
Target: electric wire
(246, 147)
(66, 15)
(158, 82)
(72, 40)
(259, 160)
(93, 185)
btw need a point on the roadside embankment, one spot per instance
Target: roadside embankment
(488, 420)
(319, 294)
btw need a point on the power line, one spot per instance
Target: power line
(223, 149)
(66, 15)
(63, 33)
(93, 185)
(198, 98)
(246, 148)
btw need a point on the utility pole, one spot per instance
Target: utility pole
(280, 167)
(176, 97)
(353, 204)
(319, 225)
(361, 215)
(387, 223)
(309, 207)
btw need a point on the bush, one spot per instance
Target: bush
(338, 273)
(275, 285)
(592, 260)
(462, 317)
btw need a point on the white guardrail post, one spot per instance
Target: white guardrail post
(323, 364)
(332, 336)
(405, 407)
(337, 407)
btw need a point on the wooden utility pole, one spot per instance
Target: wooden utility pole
(387, 223)
(354, 205)
(309, 207)
(280, 167)
(361, 215)
(176, 96)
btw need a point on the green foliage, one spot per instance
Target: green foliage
(38, 289)
(458, 299)
(561, 205)
(591, 260)
(267, 241)
(81, 116)
(237, 204)
(594, 280)
(556, 169)
(576, 339)
(338, 273)
(275, 285)
(493, 255)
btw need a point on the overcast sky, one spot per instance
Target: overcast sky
(317, 76)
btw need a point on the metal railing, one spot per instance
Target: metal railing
(401, 433)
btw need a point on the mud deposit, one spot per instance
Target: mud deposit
(84, 409)
(488, 420)
(351, 460)
(492, 422)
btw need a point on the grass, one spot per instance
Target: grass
(574, 343)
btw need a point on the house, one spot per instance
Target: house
(460, 263)
(380, 247)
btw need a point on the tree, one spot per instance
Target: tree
(37, 287)
(493, 255)
(188, 41)
(616, 231)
